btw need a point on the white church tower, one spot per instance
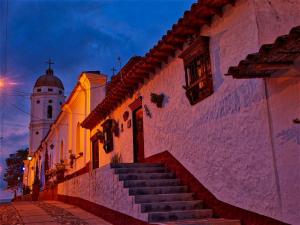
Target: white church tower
(46, 101)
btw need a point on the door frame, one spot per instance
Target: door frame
(135, 106)
(94, 141)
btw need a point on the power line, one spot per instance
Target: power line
(29, 114)
(28, 94)
(4, 70)
(14, 125)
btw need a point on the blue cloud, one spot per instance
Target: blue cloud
(77, 35)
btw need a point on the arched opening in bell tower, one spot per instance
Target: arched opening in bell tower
(49, 112)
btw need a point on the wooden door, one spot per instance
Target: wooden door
(95, 151)
(138, 135)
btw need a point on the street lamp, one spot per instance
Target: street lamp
(1, 83)
(6, 82)
(29, 158)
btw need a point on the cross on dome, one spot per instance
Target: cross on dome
(49, 71)
(49, 62)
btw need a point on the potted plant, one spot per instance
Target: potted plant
(157, 99)
(60, 172)
(115, 159)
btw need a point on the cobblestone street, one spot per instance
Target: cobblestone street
(46, 213)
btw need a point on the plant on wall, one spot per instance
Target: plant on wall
(73, 158)
(157, 99)
(116, 158)
(60, 171)
(125, 115)
(100, 136)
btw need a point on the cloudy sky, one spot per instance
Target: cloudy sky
(78, 35)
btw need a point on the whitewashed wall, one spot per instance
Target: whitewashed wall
(103, 187)
(39, 121)
(244, 149)
(64, 130)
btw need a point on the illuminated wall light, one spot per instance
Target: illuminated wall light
(1, 83)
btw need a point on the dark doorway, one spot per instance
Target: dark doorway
(138, 135)
(95, 152)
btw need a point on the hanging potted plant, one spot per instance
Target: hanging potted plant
(157, 99)
(60, 171)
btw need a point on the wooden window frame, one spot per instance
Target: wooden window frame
(108, 144)
(95, 161)
(196, 60)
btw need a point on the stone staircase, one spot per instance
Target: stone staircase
(162, 196)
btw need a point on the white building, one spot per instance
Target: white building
(62, 136)
(46, 101)
(232, 141)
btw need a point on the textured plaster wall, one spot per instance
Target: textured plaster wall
(78, 111)
(103, 187)
(243, 148)
(65, 128)
(284, 107)
(124, 143)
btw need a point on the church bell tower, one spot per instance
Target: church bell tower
(46, 101)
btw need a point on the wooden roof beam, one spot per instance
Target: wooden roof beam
(154, 61)
(186, 31)
(115, 98)
(199, 21)
(119, 91)
(140, 76)
(167, 50)
(274, 66)
(176, 44)
(144, 70)
(161, 56)
(207, 11)
(135, 77)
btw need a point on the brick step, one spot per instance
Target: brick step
(145, 176)
(209, 221)
(157, 190)
(151, 183)
(163, 197)
(171, 206)
(141, 170)
(135, 165)
(179, 215)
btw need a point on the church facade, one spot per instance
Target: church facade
(216, 101)
(46, 101)
(65, 139)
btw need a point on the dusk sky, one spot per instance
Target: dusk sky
(78, 36)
